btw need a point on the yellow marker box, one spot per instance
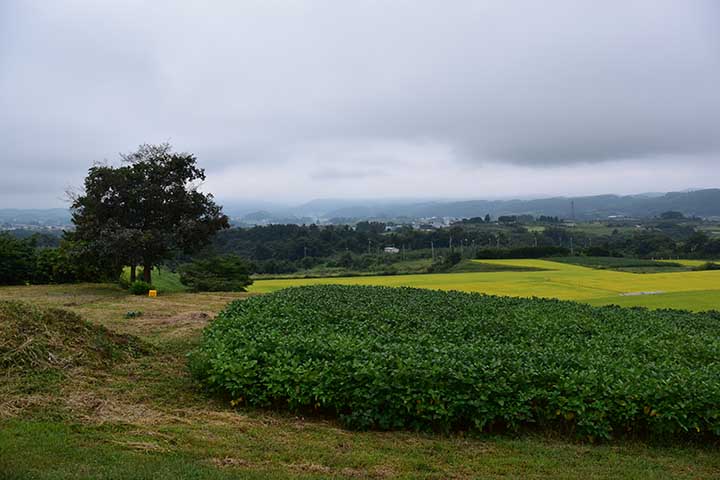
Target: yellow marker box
(152, 293)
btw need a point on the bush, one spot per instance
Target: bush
(139, 287)
(55, 265)
(708, 266)
(226, 273)
(409, 358)
(17, 260)
(446, 264)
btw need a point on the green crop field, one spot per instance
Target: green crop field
(685, 290)
(421, 359)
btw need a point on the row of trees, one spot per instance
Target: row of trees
(25, 260)
(288, 248)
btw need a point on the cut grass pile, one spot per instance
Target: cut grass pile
(553, 280)
(420, 359)
(34, 340)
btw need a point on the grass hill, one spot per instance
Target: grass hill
(38, 346)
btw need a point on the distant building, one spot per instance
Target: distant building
(392, 250)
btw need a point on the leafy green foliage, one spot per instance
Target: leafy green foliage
(223, 273)
(16, 260)
(139, 287)
(406, 358)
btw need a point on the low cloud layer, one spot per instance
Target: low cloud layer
(307, 99)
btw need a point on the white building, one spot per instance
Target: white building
(392, 250)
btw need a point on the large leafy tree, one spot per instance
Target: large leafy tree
(146, 210)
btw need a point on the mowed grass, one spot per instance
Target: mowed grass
(144, 418)
(685, 290)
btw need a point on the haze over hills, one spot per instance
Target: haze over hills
(701, 203)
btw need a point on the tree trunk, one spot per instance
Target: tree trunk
(147, 271)
(133, 273)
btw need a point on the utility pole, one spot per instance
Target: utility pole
(572, 250)
(432, 250)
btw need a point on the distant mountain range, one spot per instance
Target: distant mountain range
(702, 203)
(46, 217)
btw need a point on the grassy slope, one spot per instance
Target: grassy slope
(143, 419)
(558, 280)
(164, 280)
(620, 263)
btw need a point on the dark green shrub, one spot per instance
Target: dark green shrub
(55, 265)
(225, 273)
(521, 252)
(409, 358)
(17, 260)
(708, 266)
(139, 287)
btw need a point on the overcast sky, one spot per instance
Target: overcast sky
(294, 100)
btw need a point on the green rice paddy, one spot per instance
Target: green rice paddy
(684, 290)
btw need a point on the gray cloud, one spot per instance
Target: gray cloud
(359, 91)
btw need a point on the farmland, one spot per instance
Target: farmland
(143, 417)
(394, 358)
(685, 290)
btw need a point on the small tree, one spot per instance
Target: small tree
(225, 273)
